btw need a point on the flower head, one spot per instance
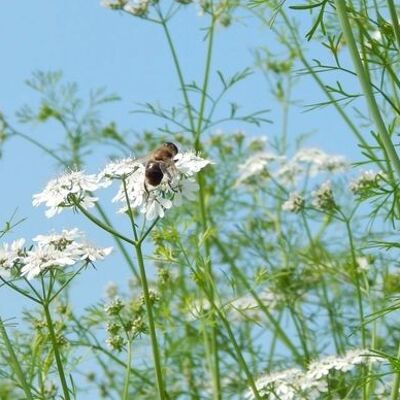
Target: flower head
(295, 203)
(10, 254)
(68, 190)
(49, 251)
(152, 201)
(254, 165)
(323, 197)
(367, 181)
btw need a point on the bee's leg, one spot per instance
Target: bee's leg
(146, 189)
(167, 173)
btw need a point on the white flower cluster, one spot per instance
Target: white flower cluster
(152, 202)
(68, 190)
(309, 161)
(134, 7)
(320, 161)
(367, 180)
(293, 384)
(50, 251)
(294, 204)
(76, 188)
(248, 306)
(255, 165)
(322, 197)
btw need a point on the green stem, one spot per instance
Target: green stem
(13, 361)
(118, 242)
(125, 395)
(205, 84)
(239, 355)
(154, 343)
(396, 381)
(357, 283)
(57, 355)
(317, 79)
(103, 226)
(178, 71)
(342, 14)
(279, 331)
(395, 21)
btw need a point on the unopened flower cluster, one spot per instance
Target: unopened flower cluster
(306, 161)
(75, 189)
(293, 384)
(57, 250)
(135, 7)
(365, 182)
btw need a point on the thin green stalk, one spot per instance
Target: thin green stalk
(343, 17)
(120, 246)
(203, 210)
(205, 84)
(103, 226)
(178, 71)
(125, 395)
(13, 361)
(315, 76)
(395, 21)
(332, 320)
(239, 355)
(357, 283)
(196, 132)
(57, 355)
(299, 325)
(396, 381)
(154, 343)
(280, 332)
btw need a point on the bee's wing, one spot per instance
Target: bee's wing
(144, 159)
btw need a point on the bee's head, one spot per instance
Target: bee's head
(172, 148)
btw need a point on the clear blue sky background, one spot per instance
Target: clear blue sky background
(98, 47)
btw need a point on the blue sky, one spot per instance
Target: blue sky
(98, 47)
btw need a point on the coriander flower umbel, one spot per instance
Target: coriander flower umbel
(322, 197)
(366, 181)
(10, 255)
(320, 161)
(67, 190)
(178, 183)
(295, 203)
(50, 251)
(255, 164)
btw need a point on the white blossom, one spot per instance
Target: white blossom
(248, 305)
(189, 163)
(322, 197)
(176, 185)
(137, 7)
(254, 165)
(55, 250)
(91, 254)
(295, 203)
(310, 384)
(367, 180)
(67, 189)
(112, 4)
(318, 160)
(41, 259)
(9, 255)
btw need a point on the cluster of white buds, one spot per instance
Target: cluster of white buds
(56, 250)
(322, 197)
(294, 204)
(292, 384)
(75, 189)
(366, 181)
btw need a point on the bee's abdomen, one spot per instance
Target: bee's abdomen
(153, 173)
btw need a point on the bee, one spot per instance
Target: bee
(160, 163)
